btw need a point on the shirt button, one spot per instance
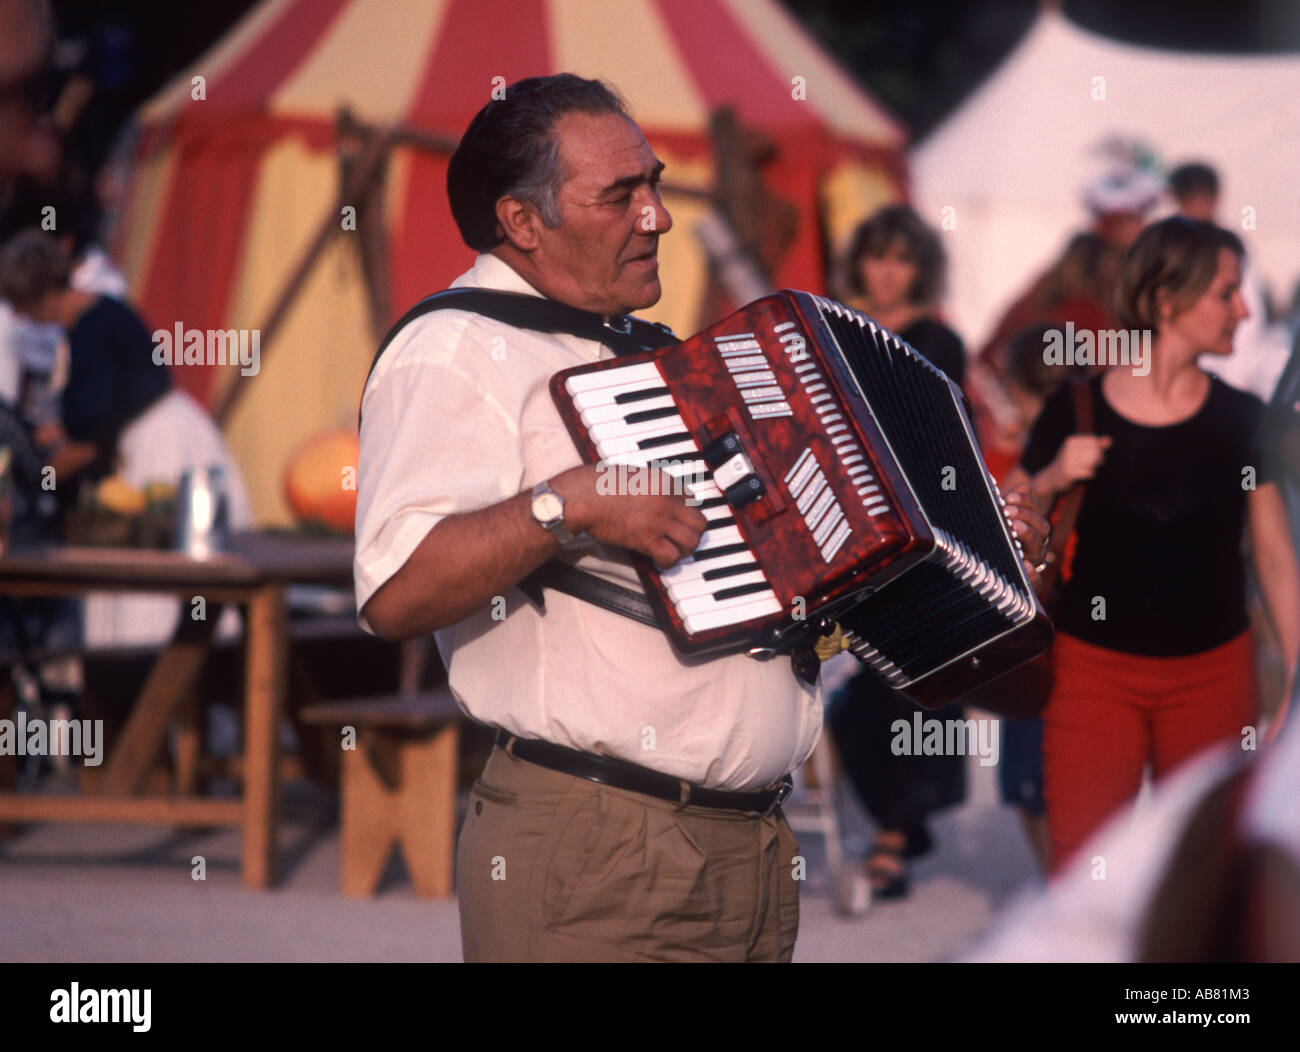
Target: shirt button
(478, 807)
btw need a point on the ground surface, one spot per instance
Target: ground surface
(105, 893)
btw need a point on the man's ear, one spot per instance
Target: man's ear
(519, 222)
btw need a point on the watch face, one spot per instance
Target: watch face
(547, 507)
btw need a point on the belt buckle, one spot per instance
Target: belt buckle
(782, 795)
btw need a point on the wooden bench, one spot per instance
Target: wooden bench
(398, 787)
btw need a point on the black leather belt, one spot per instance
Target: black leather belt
(623, 775)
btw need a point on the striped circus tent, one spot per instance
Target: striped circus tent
(247, 161)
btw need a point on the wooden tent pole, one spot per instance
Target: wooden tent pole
(731, 233)
(368, 165)
(370, 226)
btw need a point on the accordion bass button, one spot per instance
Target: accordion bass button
(750, 488)
(721, 449)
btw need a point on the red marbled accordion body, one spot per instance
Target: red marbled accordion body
(819, 439)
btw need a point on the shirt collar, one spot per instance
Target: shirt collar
(492, 272)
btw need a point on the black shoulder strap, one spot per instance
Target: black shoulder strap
(623, 334)
(588, 587)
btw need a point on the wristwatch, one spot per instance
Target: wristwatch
(548, 512)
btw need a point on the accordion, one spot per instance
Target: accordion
(841, 480)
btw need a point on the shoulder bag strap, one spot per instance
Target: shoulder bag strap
(1073, 500)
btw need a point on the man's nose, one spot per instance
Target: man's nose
(663, 219)
(667, 223)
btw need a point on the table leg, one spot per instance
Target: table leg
(414, 660)
(170, 682)
(266, 663)
(428, 812)
(189, 746)
(8, 765)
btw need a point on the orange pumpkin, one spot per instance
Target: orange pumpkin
(320, 481)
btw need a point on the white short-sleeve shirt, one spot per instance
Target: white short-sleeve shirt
(457, 416)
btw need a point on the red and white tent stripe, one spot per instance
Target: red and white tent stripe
(228, 188)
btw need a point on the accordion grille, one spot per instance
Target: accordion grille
(971, 589)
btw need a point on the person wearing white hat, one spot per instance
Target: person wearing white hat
(1079, 287)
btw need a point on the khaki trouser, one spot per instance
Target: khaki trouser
(551, 867)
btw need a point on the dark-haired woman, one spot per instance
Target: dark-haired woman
(894, 273)
(1153, 655)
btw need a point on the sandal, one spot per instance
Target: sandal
(888, 872)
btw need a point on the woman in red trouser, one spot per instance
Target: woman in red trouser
(1153, 655)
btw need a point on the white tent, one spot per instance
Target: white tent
(1011, 162)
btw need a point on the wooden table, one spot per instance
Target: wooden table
(255, 574)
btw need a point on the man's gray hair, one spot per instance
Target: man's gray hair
(510, 149)
(541, 186)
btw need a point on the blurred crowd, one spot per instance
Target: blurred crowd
(1179, 579)
(81, 396)
(90, 424)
